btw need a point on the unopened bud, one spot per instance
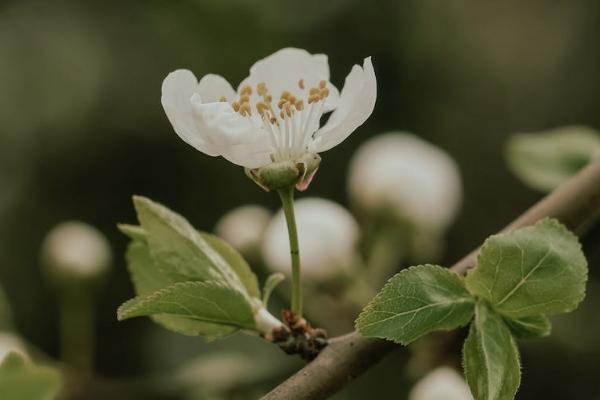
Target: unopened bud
(401, 172)
(75, 250)
(243, 227)
(443, 383)
(327, 235)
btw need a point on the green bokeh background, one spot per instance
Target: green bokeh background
(82, 129)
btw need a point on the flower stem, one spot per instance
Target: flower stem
(287, 201)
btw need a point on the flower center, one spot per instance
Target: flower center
(292, 122)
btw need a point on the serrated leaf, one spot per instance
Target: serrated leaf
(491, 357)
(211, 302)
(235, 260)
(545, 160)
(416, 301)
(534, 270)
(536, 326)
(181, 251)
(270, 284)
(147, 278)
(22, 380)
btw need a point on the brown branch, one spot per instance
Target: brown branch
(575, 203)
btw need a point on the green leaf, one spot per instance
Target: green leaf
(534, 270)
(183, 254)
(271, 283)
(536, 326)
(211, 302)
(416, 301)
(545, 160)
(147, 278)
(491, 357)
(23, 380)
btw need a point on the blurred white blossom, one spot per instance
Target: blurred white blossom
(76, 249)
(327, 233)
(10, 343)
(402, 172)
(243, 227)
(275, 114)
(443, 383)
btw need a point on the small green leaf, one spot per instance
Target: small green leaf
(537, 326)
(183, 253)
(491, 357)
(545, 160)
(534, 270)
(271, 283)
(211, 302)
(416, 301)
(236, 262)
(22, 380)
(147, 278)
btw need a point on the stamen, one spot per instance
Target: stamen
(322, 84)
(324, 93)
(246, 90)
(236, 106)
(301, 84)
(299, 105)
(313, 91)
(244, 98)
(285, 94)
(222, 99)
(261, 89)
(313, 98)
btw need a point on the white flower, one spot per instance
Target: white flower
(417, 180)
(243, 227)
(76, 249)
(10, 343)
(275, 114)
(443, 383)
(327, 235)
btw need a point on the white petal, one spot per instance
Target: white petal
(284, 69)
(240, 140)
(177, 90)
(355, 106)
(212, 87)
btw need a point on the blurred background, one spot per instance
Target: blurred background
(82, 129)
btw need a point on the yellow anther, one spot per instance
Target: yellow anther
(299, 105)
(301, 84)
(282, 114)
(268, 98)
(244, 99)
(245, 109)
(322, 84)
(292, 99)
(222, 99)
(281, 102)
(285, 94)
(288, 110)
(236, 106)
(261, 89)
(246, 90)
(274, 120)
(313, 91)
(262, 108)
(324, 93)
(313, 98)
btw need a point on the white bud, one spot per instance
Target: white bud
(10, 343)
(442, 383)
(243, 227)
(76, 249)
(402, 172)
(327, 235)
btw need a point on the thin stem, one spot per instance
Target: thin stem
(76, 328)
(287, 201)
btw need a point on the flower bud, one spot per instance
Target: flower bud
(10, 343)
(243, 227)
(285, 174)
(442, 383)
(417, 181)
(75, 250)
(327, 235)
